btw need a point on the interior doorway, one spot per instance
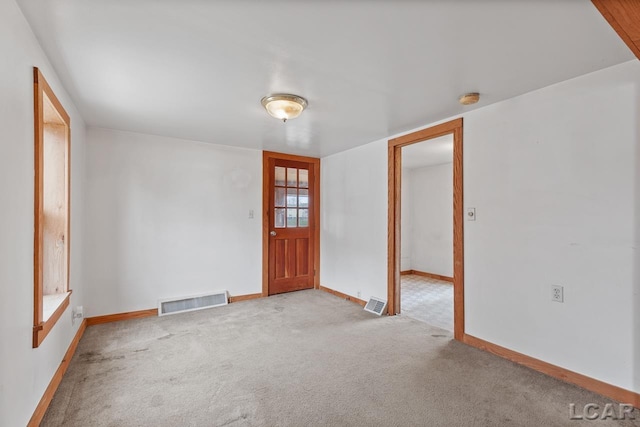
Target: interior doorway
(453, 128)
(290, 227)
(426, 254)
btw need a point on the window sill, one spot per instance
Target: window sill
(50, 304)
(52, 308)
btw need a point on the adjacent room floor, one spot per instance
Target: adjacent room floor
(306, 358)
(427, 300)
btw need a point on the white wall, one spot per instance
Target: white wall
(168, 218)
(431, 205)
(406, 220)
(353, 241)
(554, 177)
(26, 372)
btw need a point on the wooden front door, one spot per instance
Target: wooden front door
(291, 225)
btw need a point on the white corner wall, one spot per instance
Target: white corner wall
(431, 204)
(554, 177)
(168, 218)
(25, 372)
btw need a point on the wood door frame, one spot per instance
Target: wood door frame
(266, 224)
(453, 127)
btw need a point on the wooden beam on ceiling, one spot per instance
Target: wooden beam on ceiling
(624, 17)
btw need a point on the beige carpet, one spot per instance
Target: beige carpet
(301, 359)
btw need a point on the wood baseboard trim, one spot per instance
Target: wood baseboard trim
(343, 296)
(140, 314)
(247, 297)
(406, 272)
(607, 390)
(430, 275)
(41, 409)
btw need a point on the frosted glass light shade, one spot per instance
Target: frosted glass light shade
(284, 106)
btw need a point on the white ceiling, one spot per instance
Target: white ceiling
(436, 151)
(197, 69)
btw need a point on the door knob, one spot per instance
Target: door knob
(273, 233)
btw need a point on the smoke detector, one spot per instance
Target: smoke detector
(469, 98)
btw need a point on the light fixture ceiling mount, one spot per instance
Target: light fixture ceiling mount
(469, 98)
(284, 106)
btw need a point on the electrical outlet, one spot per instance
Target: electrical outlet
(557, 293)
(359, 294)
(77, 313)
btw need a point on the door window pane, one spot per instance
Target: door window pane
(292, 218)
(280, 214)
(303, 198)
(292, 177)
(280, 176)
(303, 220)
(304, 178)
(279, 197)
(292, 197)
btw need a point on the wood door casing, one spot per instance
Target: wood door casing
(395, 145)
(291, 256)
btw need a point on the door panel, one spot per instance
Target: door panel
(302, 257)
(291, 225)
(280, 254)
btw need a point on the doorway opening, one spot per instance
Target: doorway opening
(426, 254)
(290, 223)
(434, 135)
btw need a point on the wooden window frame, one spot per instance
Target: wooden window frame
(41, 88)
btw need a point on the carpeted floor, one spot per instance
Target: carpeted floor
(301, 359)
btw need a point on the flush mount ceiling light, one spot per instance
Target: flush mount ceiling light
(284, 106)
(469, 98)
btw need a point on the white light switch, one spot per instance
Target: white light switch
(250, 213)
(471, 214)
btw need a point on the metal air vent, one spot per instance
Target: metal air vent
(376, 306)
(191, 303)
